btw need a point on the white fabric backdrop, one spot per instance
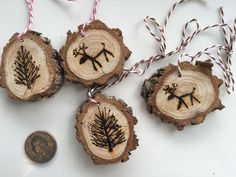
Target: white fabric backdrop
(208, 149)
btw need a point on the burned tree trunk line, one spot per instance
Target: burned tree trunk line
(109, 142)
(105, 131)
(26, 72)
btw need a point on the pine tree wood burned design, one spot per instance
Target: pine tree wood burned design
(95, 58)
(85, 56)
(106, 131)
(170, 90)
(183, 100)
(26, 72)
(30, 69)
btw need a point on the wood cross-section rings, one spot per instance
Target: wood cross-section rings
(96, 57)
(183, 100)
(30, 69)
(106, 131)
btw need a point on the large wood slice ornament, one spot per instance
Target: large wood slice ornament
(30, 68)
(96, 57)
(183, 100)
(106, 130)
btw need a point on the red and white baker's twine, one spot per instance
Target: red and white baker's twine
(31, 18)
(225, 65)
(92, 17)
(30, 4)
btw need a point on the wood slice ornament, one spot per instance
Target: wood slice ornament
(183, 100)
(95, 57)
(30, 68)
(106, 130)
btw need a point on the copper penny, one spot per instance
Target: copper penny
(40, 147)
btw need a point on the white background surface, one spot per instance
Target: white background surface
(205, 150)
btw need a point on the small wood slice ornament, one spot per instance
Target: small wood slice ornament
(30, 68)
(186, 99)
(106, 130)
(96, 57)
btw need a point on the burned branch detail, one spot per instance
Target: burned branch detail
(93, 59)
(105, 131)
(26, 71)
(171, 91)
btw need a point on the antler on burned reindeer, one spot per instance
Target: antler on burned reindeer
(171, 91)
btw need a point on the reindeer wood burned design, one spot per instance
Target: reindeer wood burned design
(96, 57)
(86, 57)
(170, 90)
(188, 99)
(106, 131)
(30, 69)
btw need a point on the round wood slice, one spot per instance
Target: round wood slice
(95, 58)
(186, 99)
(106, 130)
(30, 69)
